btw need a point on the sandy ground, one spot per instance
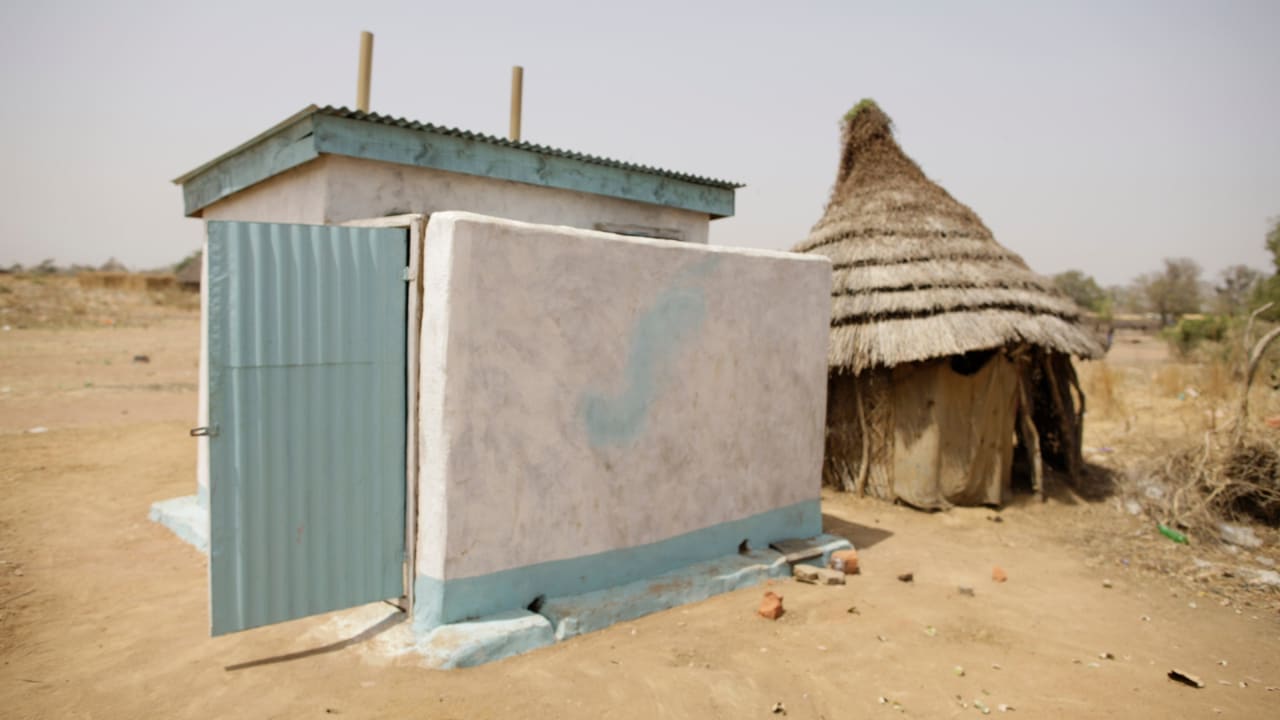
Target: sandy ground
(104, 614)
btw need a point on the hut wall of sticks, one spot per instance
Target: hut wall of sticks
(949, 360)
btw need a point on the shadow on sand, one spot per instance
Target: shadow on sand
(861, 536)
(1096, 483)
(368, 633)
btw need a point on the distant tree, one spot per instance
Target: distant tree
(1125, 299)
(1273, 244)
(1174, 292)
(1268, 289)
(1235, 288)
(46, 267)
(1081, 288)
(113, 265)
(182, 264)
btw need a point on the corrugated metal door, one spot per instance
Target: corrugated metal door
(307, 417)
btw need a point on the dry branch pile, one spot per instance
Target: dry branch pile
(1221, 481)
(1232, 474)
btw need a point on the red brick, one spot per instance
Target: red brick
(771, 606)
(846, 560)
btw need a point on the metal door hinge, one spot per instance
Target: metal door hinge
(408, 275)
(206, 431)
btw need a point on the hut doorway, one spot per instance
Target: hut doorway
(1050, 438)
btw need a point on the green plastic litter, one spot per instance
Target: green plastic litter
(1172, 534)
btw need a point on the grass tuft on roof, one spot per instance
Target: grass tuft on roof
(863, 104)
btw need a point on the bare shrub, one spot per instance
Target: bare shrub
(1172, 380)
(1101, 386)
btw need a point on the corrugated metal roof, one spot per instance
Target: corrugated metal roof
(540, 149)
(377, 118)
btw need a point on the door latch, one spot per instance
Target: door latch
(206, 431)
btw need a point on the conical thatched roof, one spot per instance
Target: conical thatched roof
(916, 273)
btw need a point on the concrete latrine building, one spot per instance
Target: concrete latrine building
(487, 380)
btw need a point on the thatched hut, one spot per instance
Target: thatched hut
(948, 355)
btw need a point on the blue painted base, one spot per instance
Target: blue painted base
(187, 517)
(440, 602)
(597, 610)
(474, 642)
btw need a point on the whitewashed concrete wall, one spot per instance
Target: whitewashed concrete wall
(595, 407)
(335, 189)
(359, 188)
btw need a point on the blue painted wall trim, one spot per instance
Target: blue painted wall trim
(288, 147)
(437, 601)
(343, 136)
(312, 132)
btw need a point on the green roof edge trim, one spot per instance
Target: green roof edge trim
(338, 131)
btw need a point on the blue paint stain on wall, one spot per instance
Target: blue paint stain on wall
(675, 317)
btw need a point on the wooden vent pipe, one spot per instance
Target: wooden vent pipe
(517, 99)
(366, 71)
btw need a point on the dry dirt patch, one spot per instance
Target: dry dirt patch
(103, 614)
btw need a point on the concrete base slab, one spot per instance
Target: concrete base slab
(475, 642)
(577, 614)
(187, 517)
(825, 545)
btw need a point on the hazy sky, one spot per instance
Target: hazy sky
(1100, 135)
